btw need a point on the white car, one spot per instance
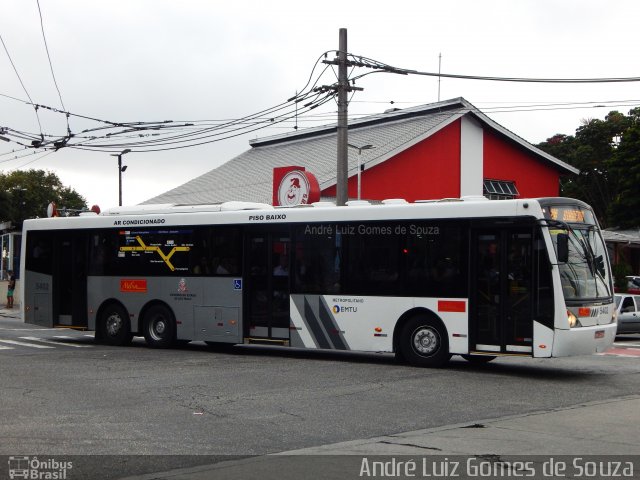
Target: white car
(628, 309)
(633, 285)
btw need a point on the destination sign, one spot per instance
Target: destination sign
(569, 214)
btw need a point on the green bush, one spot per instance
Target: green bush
(620, 272)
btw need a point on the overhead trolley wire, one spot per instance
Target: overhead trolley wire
(21, 83)
(109, 136)
(53, 75)
(196, 141)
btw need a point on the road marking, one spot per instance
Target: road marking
(53, 342)
(29, 329)
(2, 347)
(24, 344)
(622, 344)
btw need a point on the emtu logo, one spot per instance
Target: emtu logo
(339, 309)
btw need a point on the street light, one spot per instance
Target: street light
(360, 167)
(120, 170)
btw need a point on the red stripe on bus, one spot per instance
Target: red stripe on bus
(451, 306)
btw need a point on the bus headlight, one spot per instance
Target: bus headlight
(573, 320)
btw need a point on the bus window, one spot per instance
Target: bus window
(175, 251)
(39, 252)
(216, 251)
(372, 259)
(435, 260)
(317, 259)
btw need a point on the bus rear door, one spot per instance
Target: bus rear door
(267, 286)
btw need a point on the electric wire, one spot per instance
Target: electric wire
(141, 126)
(222, 135)
(46, 154)
(53, 75)
(170, 135)
(197, 135)
(359, 60)
(21, 82)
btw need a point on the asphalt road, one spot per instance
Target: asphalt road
(71, 396)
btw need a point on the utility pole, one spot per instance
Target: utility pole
(343, 88)
(342, 195)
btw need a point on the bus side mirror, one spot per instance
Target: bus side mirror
(562, 240)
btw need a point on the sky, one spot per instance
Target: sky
(194, 60)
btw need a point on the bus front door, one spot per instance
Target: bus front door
(267, 287)
(501, 316)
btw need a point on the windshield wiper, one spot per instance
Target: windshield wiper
(598, 262)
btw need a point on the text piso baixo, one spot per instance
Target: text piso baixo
(364, 229)
(577, 467)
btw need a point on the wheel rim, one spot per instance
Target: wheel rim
(113, 324)
(425, 341)
(158, 328)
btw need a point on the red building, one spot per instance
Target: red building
(442, 150)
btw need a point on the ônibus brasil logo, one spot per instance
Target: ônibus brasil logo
(34, 468)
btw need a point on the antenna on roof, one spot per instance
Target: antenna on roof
(296, 125)
(439, 67)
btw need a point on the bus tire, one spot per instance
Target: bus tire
(478, 359)
(424, 342)
(114, 327)
(159, 326)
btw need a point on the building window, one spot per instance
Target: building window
(499, 189)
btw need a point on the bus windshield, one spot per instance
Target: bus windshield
(583, 263)
(583, 275)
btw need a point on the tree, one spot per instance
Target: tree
(6, 208)
(28, 193)
(624, 166)
(595, 151)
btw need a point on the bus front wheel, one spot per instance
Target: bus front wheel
(114, 327)
(159, 327)
(424, 342)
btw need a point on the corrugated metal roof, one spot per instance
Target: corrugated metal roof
(248, 177)
(628, 237)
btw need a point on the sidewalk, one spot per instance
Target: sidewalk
(10, 312)
(597, 428)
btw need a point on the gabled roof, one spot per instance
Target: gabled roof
(248, 177)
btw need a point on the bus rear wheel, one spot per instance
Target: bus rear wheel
(424, 342)
(159, 327)
(114, 327)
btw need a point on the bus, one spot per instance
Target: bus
(424, 280)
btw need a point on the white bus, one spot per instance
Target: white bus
(425, 280)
